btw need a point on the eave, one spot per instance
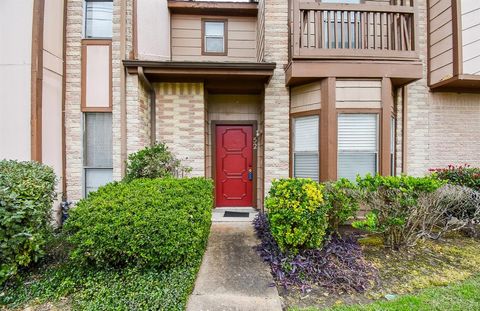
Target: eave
(401, 72)
(458, 84)
(213, 8)
(218, 77)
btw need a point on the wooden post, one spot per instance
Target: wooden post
(328, 131)
(385, 127)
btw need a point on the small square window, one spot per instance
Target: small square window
(214, 37)
(98, 19)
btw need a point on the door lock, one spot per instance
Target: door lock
(250, 174)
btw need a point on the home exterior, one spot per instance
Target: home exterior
(242, 92)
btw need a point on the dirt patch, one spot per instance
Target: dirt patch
(430, 263)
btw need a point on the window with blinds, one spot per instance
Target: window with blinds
(97, 150)
(357, 145)
(305, 147)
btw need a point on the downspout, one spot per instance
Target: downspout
(144, 79)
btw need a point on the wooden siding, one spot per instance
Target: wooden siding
(365, 94)
(471, 36)
(186, 32)
(441, 40)
(305, 97)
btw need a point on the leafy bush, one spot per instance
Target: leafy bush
(27, 191)
(143, 223)
(395, 209)
(462, 175)
(297, 214)
(343, 198)
(338, 266)
(154, 162)
(457, 207)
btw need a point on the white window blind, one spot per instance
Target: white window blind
(98, 19)
(305, 142)
(357, 145)
(98, 147)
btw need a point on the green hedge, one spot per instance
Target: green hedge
(27, 191)
(462, 175)
(297, 214)
(145, 223)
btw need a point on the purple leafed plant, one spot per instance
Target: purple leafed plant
(338, 266)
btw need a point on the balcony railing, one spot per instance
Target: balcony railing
(358, 31)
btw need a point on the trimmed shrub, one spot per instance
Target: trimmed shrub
(395, 209)
(154, 162)
(297, 214)
(343, 197)
(462, 175)
(144, 223)
(27, 191)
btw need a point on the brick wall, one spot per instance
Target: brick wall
(276, 110)
(138, 114)
(181, 122)
(73, 115)
(442, 127)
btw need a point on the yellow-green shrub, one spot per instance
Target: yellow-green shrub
(297, 214)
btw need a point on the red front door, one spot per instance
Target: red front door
(234, 165)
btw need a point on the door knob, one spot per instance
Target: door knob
(250, 174)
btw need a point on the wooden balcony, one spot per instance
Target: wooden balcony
(354, 31)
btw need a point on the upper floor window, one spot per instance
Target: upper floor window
(214, 37)
(98, 19)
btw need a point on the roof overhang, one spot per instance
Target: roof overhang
(219, 77)
(459, 84)
(213, 8)
(401, 72)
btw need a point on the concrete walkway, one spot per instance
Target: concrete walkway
(232, 275)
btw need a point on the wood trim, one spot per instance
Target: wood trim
(36, 81)
(457, 37)
(429, 57)
(328, 130)
(308, 113)
(84, 60)
(135, 29)
(385, 128)
(254, 125)
(64, 94)
(225, 36)
(401, 72)
(214, 8)
(122, 86)
(404, 129)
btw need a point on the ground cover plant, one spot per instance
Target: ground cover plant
(338, 266)
(129, 246)
(27, 190)
(455, 297)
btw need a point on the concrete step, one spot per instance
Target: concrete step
(218, 214)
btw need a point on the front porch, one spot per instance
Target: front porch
(212, 116)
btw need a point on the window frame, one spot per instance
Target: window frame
(84, 21)
(293, 118)
(225, 36)
(378, 114)
(85, 167)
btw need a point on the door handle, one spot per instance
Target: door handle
(250, 174)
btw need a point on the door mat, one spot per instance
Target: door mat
(236, 214)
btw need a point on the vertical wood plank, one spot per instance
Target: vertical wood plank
(328, 130)
(385, 127)
(296, 29)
